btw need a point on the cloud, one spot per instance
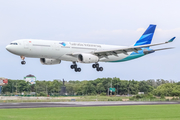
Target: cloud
(140, 29)
(168, 32)
(106, 36)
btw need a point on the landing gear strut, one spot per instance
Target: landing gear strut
(23, 62)
(96, 65)
(74, 66)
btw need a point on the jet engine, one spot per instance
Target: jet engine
(47, 61)
(87, 58)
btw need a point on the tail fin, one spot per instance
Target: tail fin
(146, 38)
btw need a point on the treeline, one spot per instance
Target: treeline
(93, 87)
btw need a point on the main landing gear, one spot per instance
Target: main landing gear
(96, 65)
(74, 66)
(23, 62)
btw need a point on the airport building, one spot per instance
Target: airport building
(30, 78)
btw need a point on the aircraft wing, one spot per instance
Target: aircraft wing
(107, 52)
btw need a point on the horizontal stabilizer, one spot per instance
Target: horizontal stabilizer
(163, 49)
(151, 51)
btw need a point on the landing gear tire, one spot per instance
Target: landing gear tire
(23, 62)
(79, 69)
(74, 66)
(97, 65)
(94, 66)
(101, 69)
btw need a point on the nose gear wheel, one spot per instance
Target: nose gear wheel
(23, 62)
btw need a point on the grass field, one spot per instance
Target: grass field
(143, 112)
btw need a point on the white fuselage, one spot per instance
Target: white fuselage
(59, 49)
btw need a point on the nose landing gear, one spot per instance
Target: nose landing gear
(23, 62)
(74, 66)
(96, 65)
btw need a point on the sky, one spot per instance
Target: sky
(112, 22)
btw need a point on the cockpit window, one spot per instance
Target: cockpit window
(13, 44)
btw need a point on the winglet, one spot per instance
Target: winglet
(171, 40)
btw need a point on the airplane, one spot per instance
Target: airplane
(53, 52)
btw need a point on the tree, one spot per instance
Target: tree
(167, 89)
(144, 87)
(97, 86)
(23, 86)
(100, 88)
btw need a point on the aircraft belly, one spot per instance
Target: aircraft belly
(68, 58)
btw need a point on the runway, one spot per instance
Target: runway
(77, 104)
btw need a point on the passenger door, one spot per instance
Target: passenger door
(26, 44)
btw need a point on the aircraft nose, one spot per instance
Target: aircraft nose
(9, 48)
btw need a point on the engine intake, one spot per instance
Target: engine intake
(47, 61)
(88, 58)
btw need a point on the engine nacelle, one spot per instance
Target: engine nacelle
(87, 58)
(47, 61)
